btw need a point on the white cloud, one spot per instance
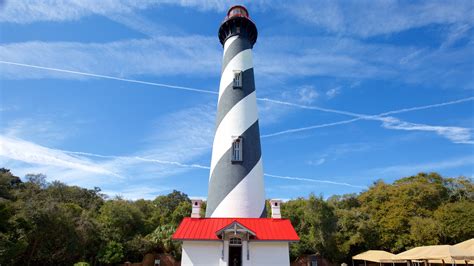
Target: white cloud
(317, 162)
(41, 128)
(335, 152)
(369, 18)
(161, 56)
(307, 94)
(410, 169)
(28, 11)
(456, 33)
(331, 93)
(136, 192)
(350, 59)
(31, 153)
(176, 139)
(454, 134)
(197, 55)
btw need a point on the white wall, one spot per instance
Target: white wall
(208, 253)
(202, 253)
(269, 253)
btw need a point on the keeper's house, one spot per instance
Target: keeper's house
(235, 241)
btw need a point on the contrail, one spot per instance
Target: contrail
(380, 117)
(426, 106)
(314, 180)
(322, 109)
(198, 166)
(288, 131)
(180, 88)
(138, 159)
(111, 77)
(302, 106)
(173, 87)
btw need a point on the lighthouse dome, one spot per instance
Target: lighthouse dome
(238, 22)
(237, 11)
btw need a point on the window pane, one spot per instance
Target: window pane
(237, 149)
(237, 83)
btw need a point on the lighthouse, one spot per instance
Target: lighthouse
(236, 187)
(235, 230)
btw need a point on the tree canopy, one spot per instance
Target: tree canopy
(51, 223)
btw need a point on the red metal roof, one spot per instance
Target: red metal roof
(265, 229)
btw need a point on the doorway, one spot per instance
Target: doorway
(235, 252)
(235, 256)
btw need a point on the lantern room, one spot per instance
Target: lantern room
(237, 11)
(238, 22)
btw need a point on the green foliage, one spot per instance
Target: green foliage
(45, 223)
(120, 220)
(456, 221)
(111, 253)
(82, 263)
(424, 231)
(392, 207)
(161, 238)
(166, 205)
(425, 209)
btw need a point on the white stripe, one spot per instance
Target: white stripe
(235, 123)
(242, 61)
(247, 199)
(228, 42)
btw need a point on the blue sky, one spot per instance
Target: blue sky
(122, 94)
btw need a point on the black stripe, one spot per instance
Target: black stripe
(235, 48)
(226, 175)
(231, 96)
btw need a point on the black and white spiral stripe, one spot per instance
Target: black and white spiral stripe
(236, 189)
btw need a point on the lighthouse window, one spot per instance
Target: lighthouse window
(237, 84)
(237, 149)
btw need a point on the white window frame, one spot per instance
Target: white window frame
(238, 79)
(237, 149)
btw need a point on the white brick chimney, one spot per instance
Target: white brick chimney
(196, 209)
(276, 214)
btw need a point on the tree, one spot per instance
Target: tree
(43, 223)
(120, 220)
(8, 182)
(392, 207)
(424, 231)
(456, 221)
(315, 222)
(162, 241)
(181, 211)
(112, 253)
(460, 188)
(167, 204)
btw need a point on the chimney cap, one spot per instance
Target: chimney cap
(276, 208)
(196, 208)
(277, 201)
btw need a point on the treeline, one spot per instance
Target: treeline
(45, 223)
(54, 224)
(425, 209)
